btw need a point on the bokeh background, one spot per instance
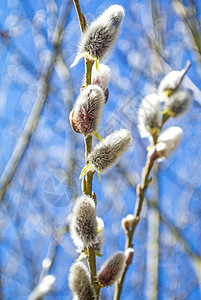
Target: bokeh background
(41, 157)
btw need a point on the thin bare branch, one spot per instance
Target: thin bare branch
(42, 93)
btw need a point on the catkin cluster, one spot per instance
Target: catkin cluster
(172, 100)
(86, 229)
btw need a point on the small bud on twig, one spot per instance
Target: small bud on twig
(129, 253)
(127, 222)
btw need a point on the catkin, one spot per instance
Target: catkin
(111, 269)
(100, 36)
(107, 152)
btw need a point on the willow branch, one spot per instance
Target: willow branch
(88, 146)
(42, 93)
(141, 188)
(195, 259)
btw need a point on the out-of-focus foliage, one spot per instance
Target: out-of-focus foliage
(38, 43)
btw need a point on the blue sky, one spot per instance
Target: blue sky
(29, 220)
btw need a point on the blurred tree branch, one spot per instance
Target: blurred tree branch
(42, 93)
(188, 14)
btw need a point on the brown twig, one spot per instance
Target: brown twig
(141, 188)
(195, 259)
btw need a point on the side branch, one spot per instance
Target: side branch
(141, 188)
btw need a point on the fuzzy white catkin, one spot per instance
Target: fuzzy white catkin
(100, 36)
(99, 238)
(43, 288)
(83, 226)
(101, 77)
(168, 141)
(88, 109)
(111, 269)
(149, 116)
(179, 102)
(79, 282)
(129, 219)
(170, 81)
(106, 153)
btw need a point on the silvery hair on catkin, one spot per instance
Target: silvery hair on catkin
(107, 152)
(88, 109)
(83, 226)
(100, 36)
(111, 269)
(79, 282)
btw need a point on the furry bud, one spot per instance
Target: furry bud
(83, 227)
(99, 238)
(107, 152)
(86, 114)
(168, 141)
(79, 282)
(127, 222)
(101, 78)
(149, 117)
(100, 36)
(171, 82)
(112, 269)
(129, 253)
(43, 288)
(179, 102)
